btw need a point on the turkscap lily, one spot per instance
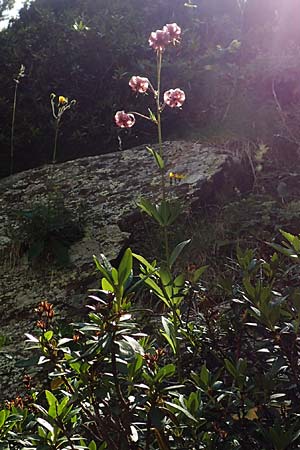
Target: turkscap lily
(139, 84)
(124, 120)
(160, 39)
(174, 98)
(174, 32)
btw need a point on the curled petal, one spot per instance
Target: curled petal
(174, 98)
(159, 39)
(139, 84)
(124, 120)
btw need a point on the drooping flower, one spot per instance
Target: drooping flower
(174, 32)
(124, 120)
(159, 39)
(62, 100)
(174, 98)
(139, 84)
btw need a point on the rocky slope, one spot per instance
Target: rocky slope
(102, 190)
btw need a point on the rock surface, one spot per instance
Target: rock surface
(103, 191)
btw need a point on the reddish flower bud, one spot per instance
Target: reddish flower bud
(124, 120)
(139, 84)
(174, 32)
(174, 98)
(41, 324)
(50, 314)
(76, 337)
(159, 39)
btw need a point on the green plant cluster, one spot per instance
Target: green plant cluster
(207, 377)
(47, 231)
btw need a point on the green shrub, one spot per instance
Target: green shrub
(48, 230)
(226, 378)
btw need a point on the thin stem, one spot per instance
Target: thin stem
(282, 114)
(124, 421)
(148, 432)
(178, 354)
(13, 129)
(116, 380)
(241, 6)
(141, 115)
(166, 239)
(248, 154)
(152, 88)
(149, 422)
(159, 64)
(55, 141)
(159, 132)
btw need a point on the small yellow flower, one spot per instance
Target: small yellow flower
(179, 176)
(62, 100)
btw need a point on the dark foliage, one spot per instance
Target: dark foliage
(88, 50)
(209, 376)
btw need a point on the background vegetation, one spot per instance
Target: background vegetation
(88, 49)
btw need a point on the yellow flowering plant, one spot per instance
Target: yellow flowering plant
(59, 105)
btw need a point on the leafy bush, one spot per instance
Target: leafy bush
(216, 377)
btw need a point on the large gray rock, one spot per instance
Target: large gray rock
(104, 190)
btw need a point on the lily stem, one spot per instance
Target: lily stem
(160, 145)
(55, 141)
(13, 129)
